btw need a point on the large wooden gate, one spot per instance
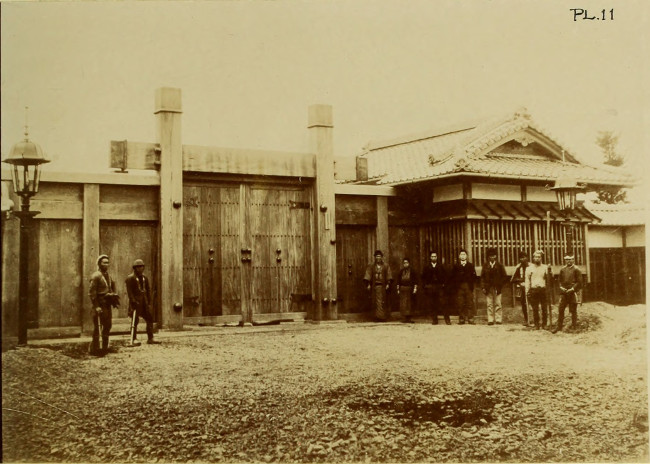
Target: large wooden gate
(246, 250)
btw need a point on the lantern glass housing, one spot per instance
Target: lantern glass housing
(566, 189)
(26, 158)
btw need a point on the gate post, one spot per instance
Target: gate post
(321, 143)
(168, 120)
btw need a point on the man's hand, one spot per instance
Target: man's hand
(98, 310)
(484, 291)
(367, 287)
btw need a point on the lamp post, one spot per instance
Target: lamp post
(566, 189)
(25, 159)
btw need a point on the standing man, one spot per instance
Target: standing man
(378, 279)
(463, 278)
(103, 297)
(570, 284)
(536, 288)
(139, 291)
(407, 287)
(493, 278)
(519, 280)
(433, 279)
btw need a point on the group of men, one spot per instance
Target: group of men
(444, 286)
(104, 298)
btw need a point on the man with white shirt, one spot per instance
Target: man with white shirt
(536, 288)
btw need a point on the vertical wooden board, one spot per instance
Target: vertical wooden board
(192, 278)
(259, 222)
(71, 259)
(230, 252)
(209, 260)
(124, 242)
(49, 275)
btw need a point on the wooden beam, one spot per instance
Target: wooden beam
(362, 168)
(168, 117)
(128, 212)
(320, 126)
(142, 155)
(90, 250)
(115, 178)
(51, 209)
(382, 227)
(251, 162)
(370, 190)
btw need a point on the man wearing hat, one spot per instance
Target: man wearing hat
(493, 278)
(463, 279)
(570, 284)
(519, 280)
(139, 291)
(103, 297)
(378, 279)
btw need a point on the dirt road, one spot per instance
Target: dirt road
(348, 392)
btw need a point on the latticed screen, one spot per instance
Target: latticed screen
(508, 237)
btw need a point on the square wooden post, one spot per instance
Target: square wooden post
(90, 251)
(168, 118)
(382, 227)
(319, 123)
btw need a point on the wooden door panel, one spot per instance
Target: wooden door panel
(280, 232)
(354, 249)
(124, 242)
(192, 252)
(211, 250)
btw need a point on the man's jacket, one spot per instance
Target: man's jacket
(139, 292)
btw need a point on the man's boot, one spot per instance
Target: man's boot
(434, 321)
(447, 320)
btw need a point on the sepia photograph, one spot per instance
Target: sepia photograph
(324, 231)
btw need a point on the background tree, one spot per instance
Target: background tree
(608, 142)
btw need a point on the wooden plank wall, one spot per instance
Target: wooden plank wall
(60, 299)
(65, 243)
(125, 242)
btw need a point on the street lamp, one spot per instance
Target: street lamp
(566, 189)
(25, 159)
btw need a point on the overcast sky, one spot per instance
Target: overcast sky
(248, 71)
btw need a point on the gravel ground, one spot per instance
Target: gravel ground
(346, 392)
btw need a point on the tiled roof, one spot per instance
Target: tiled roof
(619, 214)
(474, 149)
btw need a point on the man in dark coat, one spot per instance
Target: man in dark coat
(103, 297)
(570, 284)
(139, 291)
(378, 278)
(464, 278)
(434, 278)
(493, 278)
(407, 287)
(519, 279)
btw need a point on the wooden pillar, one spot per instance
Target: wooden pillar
(91, 251)
(168, 120)
(626, 268)
(382, 227)
(321, 143)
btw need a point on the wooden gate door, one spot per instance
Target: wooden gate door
(354, 247)
(246, 251)
(211, 249)
(279, 219)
